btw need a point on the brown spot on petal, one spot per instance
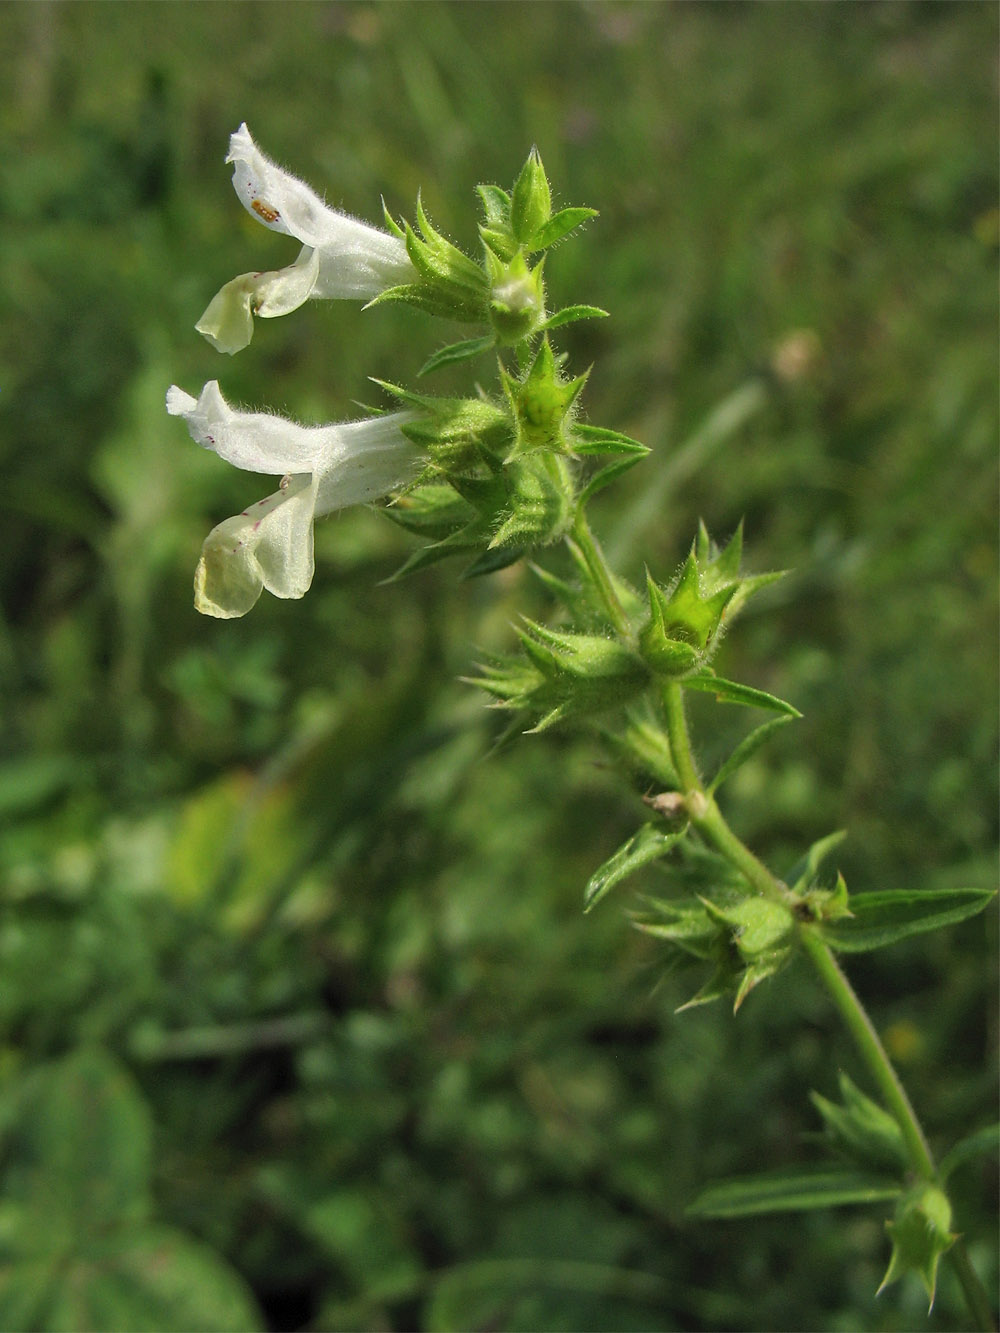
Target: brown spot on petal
(265, 211)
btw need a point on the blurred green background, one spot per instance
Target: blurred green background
(300, 1023)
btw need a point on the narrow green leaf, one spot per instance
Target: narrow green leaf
(462, 351)
(607, 475)
(560, 225)
(746, 749)
(730, 692)
(589, 440)
(496, 204)
(569, 314)
(883, 918)
(791, 1191)
(982, 1143)
(430, 302)
(648, 844)
(499, 557)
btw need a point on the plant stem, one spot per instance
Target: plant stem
(869, 1044)
(972, 1289)
(872, 1051)
(598, 570)
(708, 819)
(704, 813)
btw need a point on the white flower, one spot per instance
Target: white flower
(341, 258)
(270, 545)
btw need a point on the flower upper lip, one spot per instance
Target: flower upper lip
(284, 203)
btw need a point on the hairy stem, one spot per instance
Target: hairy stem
(704, 813)
(707, 818)
(599, 572)
(872, 1051)
(869, 1044)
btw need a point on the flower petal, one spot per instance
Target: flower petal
(373, 458)
(253, 441)
(356, 261)
(269, 546)
(228, 321)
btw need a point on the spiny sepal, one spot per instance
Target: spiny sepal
(684, 621)
(560, 675)
(721, 567)
(542, 403)
(817, 903)
(460, 435)
(530, 201)
(687, 619)
(449, 283)
(523, 219)
(859, 1130)
(920, 1233)
(746, 940)
(539, 502)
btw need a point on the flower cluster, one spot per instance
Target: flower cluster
(457, 467)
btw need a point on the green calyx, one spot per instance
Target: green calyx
(686, 619)
(449, 283)
(542, 404)
(860, 1130)
(920, 1233)
(458, 434)
(516, 298)
(522, 220)
(562, 675)
(746, 940)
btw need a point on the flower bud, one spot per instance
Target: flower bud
(517, 298)
(531, 201)
(543, 404)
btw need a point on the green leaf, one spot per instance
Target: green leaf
(791, 1191)
(648, 844)
(81, 1145)
(885, 917)
(746, 749)
(560, 225)
(492, 560)
(76, 1248)
(571, 313)
(455, 352)
(156, 1278)
(861, 1130)
(596, 440)
(730, 692)
(981, 1143)
(607, 475)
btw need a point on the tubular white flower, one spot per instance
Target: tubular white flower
(270, 545)
(341, 258)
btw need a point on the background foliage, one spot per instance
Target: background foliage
(295, 962)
